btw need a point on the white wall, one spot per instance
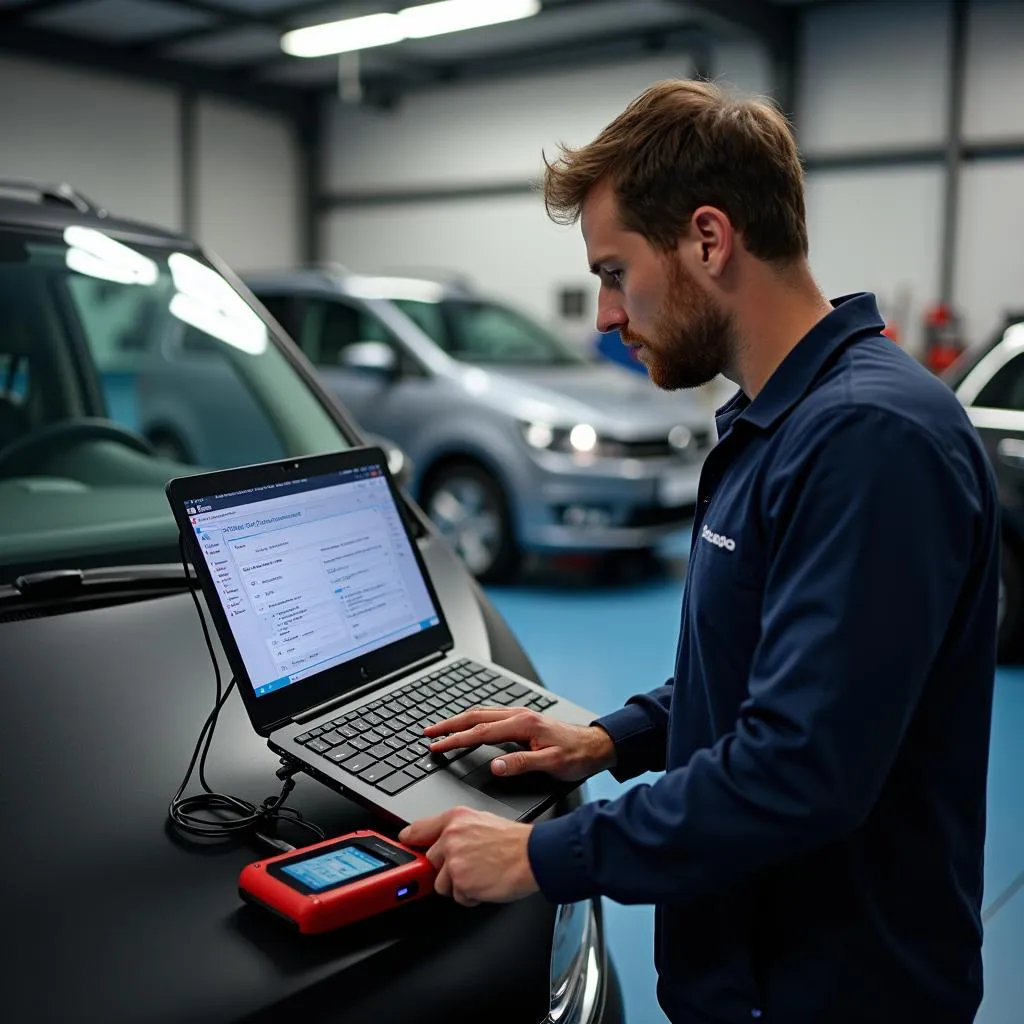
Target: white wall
(873, 75)
(248, 205)
(994, 98)
(118, 141)
(117, 145)
(485, 134)
(990, 267)
(878, 231)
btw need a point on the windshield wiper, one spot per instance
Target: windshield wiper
(95, 586)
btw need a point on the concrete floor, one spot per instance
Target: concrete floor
(599, 644)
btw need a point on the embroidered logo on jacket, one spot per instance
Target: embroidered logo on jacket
(718, 539)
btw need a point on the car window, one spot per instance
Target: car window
(481, 331)
(122, 365)
(1006, 388)
(284, 309)
(331, 325)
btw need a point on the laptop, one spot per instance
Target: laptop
(339, 645)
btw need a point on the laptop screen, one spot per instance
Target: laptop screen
(312, 573)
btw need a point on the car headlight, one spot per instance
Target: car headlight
(577, 960)
(580, 439)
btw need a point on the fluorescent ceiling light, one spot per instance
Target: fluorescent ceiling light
(458, 15)
(418, 22)
(343, 36)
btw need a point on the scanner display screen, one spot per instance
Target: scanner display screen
(334, 867)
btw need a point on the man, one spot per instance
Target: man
(814, 847)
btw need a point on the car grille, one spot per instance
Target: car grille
(656, 448)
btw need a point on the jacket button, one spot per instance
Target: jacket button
(755, 1013)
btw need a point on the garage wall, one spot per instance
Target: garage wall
(117, 145)
(119, 141)
(247, 186)
(989, 274)
(484, 135)
(875, 77)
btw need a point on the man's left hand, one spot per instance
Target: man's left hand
(479, 857)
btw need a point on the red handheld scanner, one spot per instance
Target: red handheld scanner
(337, 882)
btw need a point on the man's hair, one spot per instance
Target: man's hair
(684, 144)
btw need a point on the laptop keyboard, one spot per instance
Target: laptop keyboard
(383, 743)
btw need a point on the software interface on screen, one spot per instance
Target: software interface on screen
(334, 868)
(312, 573)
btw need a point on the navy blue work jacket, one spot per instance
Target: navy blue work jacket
(815, 845)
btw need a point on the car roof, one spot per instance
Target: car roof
(336, 278)
(36, 205)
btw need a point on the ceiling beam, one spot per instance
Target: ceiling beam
(767, 21)
(598, 49)
(72, 50)
(233, 17)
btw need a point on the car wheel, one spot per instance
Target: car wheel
(1010, 624)
(469, 508)
(169, 446)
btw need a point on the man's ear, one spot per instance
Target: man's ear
(712, 233)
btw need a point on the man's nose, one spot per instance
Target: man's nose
(610, 314)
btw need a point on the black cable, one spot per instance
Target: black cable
(190, 814)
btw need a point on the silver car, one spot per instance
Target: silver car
(518, 441)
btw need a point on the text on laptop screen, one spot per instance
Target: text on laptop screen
(312, 573)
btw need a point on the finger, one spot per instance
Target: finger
(518, 762)
(443, 882)
(463, 899)
(425, 831)
(469, 718)
(520, 727)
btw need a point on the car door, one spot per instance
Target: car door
(997, 411)
(332, 330)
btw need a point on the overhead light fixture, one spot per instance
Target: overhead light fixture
(418, 22)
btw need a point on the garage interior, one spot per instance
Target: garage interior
(421, 158)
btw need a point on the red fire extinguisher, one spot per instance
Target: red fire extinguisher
(943, 339)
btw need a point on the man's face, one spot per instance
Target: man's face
(680, 334)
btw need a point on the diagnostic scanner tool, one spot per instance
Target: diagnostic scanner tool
(337, 882)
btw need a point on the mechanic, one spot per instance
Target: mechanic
(814, 847)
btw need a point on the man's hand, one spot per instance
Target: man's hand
(478, 857)
(567, 752)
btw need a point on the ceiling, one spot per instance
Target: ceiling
(233, 46)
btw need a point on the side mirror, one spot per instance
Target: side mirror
(370, 357)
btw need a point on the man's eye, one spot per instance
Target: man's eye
(613, 277)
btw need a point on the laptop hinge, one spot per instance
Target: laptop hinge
(330, 705)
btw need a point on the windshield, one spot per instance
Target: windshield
(480, 331)
(121, 366)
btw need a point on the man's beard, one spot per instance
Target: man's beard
(692, 339)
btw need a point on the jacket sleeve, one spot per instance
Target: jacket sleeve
(872, 536)
(640, 733)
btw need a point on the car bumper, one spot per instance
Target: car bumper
(605, 504)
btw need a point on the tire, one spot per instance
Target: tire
(469, 508)
(1011, 625)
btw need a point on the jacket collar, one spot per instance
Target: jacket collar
(852, 316)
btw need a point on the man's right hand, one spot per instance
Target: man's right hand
(567, 752)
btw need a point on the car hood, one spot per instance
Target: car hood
(616, 402)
